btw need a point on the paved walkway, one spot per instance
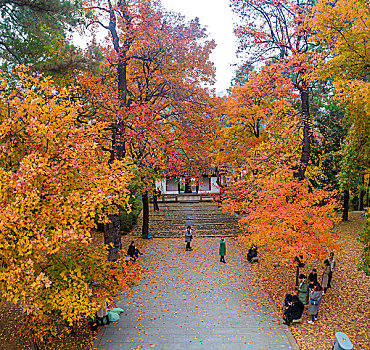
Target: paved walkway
(191, 301)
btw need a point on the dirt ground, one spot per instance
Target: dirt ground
(344, 308)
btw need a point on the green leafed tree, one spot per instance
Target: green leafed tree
(35, 32)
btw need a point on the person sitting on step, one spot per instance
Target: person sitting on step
(252, 253)
(294, 311)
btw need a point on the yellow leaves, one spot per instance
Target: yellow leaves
(260, 124)
(345, 25)
(53, 179)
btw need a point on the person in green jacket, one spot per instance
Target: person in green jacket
(303, 289)
(222, 250)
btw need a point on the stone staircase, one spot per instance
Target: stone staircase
(204, 217)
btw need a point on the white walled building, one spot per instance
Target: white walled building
(205, 185)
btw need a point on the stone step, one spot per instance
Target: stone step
(171, 235)
(197, 220)
(204, 217)
(194, 226)
(198, 215)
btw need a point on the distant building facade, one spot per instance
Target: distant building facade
(207, 184)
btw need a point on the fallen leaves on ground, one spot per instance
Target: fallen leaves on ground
(192, 295)
(11, 317)
(345, 307)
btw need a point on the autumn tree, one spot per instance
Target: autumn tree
(254, 109)
(279, 31)
(296, 218)
(53, 182)
(342, 29)
(157, 65)
(329, 133)
(261, 136)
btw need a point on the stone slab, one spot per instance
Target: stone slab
(189, 300)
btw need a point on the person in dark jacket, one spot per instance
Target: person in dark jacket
(294, 311)
(131, 250)
(157, 193)
(312, 279)
(222, 249)
(252, 253)
(287, 301)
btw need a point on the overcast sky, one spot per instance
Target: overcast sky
(216, 16)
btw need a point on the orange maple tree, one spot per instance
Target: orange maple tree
(279, 31)
(158, 65)
(255, 113)
(261, 138)
(268, 124)
(290, 219)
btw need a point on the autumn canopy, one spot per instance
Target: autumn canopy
(84, 135)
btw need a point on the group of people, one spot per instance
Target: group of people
(221, 250)
(252, 253)
(310, 293)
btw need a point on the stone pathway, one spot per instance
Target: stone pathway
(191, 301)
(204, 217)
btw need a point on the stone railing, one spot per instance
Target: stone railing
(187, 197)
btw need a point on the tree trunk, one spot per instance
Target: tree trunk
(345, 205)
(298, 261)
(34, 345)
(306, 143)
(112, 237)
(112, 230)
(122, 77)
(361, 200)
(145, 228)
(187, 186)
(296, 276)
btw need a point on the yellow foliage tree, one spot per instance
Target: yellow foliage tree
(260, 128)
(343, 28)
(54, 180)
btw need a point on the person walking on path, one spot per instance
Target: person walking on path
(188, 237)
(157, 193)
(315, 300)
(222, 249)
(332, 263)
(325, 275)
(303, 292)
